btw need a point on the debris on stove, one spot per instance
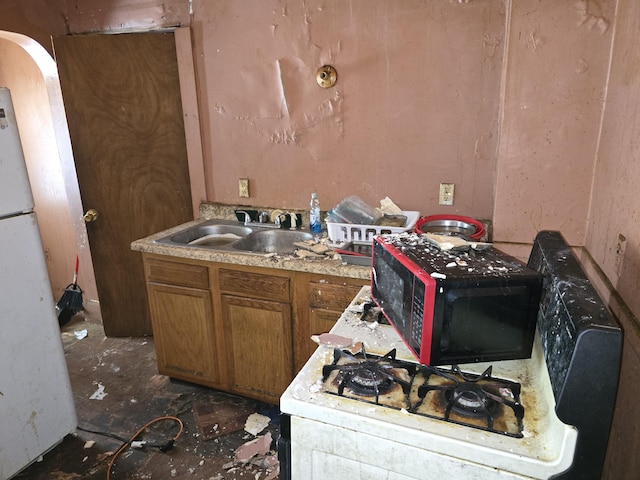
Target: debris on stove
(332, 340)
(368, 311)
(256, 423)
(356, 347)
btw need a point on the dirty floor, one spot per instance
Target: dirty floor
(118, 390)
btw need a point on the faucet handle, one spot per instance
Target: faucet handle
(294, 220)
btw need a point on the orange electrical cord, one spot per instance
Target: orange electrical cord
(142, 429)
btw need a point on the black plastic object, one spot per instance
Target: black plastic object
(582, 345)
(283, 444)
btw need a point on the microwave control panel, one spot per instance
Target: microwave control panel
(417, 316)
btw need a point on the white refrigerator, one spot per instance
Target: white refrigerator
(36, 403)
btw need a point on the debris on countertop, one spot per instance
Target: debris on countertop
(332, 340)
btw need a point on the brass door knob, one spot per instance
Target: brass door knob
(90, 215)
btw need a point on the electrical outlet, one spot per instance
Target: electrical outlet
(243, 187)
(446, 193)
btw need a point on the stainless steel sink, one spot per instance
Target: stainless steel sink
(271, 241)
(228, 235)
(208, 235)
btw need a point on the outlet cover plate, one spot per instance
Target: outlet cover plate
(243, 187)
(446, 193)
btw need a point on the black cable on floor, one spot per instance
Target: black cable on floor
(105, 434)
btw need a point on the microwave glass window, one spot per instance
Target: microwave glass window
(485, 320)
(389, 282)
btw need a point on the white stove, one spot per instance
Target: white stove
(335, 437)
(551, 413)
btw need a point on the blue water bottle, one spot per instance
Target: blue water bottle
(315, 224)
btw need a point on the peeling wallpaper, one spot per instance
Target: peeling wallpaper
(614, 223)
(416, 102)
(553, 100)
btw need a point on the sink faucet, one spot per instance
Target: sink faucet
(262, 220)
(247, 217)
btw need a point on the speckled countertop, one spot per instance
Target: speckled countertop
(323, 266)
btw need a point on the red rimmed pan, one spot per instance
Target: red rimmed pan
(452, 225)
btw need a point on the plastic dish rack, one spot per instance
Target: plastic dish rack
(351, 232)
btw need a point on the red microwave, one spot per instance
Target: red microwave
(452, 307)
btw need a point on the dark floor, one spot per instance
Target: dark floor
(135, 394)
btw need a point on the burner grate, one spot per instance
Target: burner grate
(480, 401)
(368, 376)
(476, 400)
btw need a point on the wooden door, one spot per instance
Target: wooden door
(122, 99)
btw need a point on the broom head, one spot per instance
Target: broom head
(69, 304)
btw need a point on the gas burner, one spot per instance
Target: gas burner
(475, 400)
(471, 400)
(365, 375)
(467, 397)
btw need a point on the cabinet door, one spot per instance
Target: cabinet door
(322, 301)
(183, 332)
(259, 346)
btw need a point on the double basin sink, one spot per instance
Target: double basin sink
(224, 235)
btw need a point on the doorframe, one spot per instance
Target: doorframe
(69, 205)
(191, 116)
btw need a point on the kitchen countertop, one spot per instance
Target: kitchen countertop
(323, 266)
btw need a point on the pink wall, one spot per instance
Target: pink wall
(416, 102)
(554, 87)
(425, 95)
(505, 99)
(614, 224)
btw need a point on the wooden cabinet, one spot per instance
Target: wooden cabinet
(259, 346)
(241, 329)
(182, 319)
(321, 301)
(256, 314)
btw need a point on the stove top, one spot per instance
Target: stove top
(476, 400)
(406, 402)
(442, 414)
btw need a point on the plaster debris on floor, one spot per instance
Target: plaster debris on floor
(117, 390)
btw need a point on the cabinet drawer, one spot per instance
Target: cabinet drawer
(331, 296)
(175, 273)
(254, 285)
